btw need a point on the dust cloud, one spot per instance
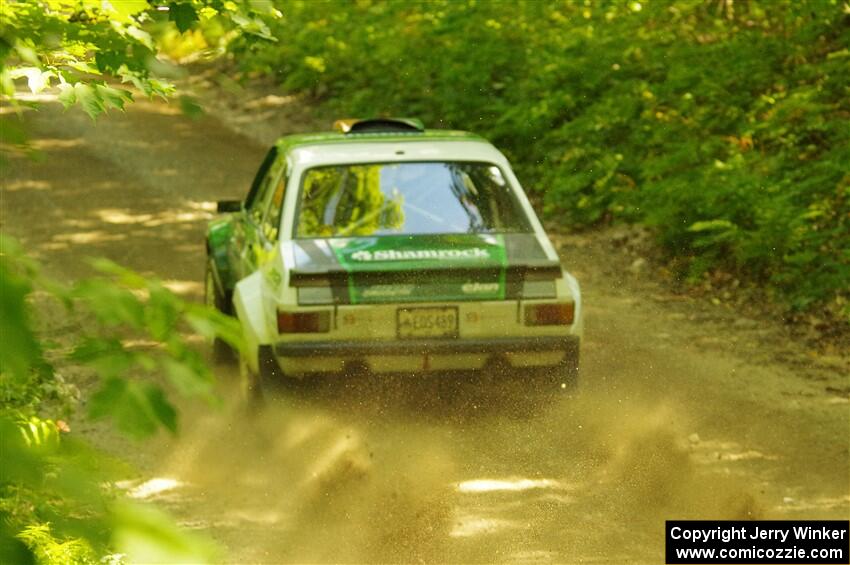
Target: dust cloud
(442, 468)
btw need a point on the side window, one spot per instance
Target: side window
(261, 175)
(271, 223)
(257, 208)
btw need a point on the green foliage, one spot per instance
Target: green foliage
(51, 497)
(146, 535)
(126, 305)
(722, 125)
(44, 481)
(79, 45)
(50, 550)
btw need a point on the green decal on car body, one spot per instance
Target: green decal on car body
(219, 234)
(470, 267)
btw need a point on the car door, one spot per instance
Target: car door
(258, 235)
(268, 233)
(270, 225)
(244, 244)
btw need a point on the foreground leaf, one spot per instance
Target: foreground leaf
(138, 409)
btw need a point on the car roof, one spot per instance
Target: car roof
(334, 137)
(330, 148)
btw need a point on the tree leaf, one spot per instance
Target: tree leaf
(123, 10)
(141, 36)
(105, 355)
(89, 100)
(37, 80)
(108, 60)
(127, 277)
(190, 107)
(144, 534)
(161, 313)
(183, 15)
(186, 380)
(111, 304)
(138, 409)
(67, 95)
(113, 97)
(211, 323)
(19, 350)
(712, 225)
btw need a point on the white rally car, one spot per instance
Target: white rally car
(390, 247)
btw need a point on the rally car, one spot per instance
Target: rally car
(389, 247)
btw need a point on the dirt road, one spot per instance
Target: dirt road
(685, 410)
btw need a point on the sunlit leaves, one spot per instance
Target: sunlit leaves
(37, 80)
(68, 42)
(57, 483)
(94, 99)
(88, 99)
(123, 10)
(40, 434)
(134, 331)
(150, 86)
(113, 97)
(143, 37)
(49, 549)
(713, 232)
(59, 476)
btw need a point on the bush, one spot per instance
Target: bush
(722, 125)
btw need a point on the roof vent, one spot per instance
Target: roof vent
(380, 125)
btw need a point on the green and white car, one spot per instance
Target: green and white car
(393, 248)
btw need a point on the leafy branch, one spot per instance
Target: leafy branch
(51, 477)
(80, 45)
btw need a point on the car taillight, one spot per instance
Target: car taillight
(558, 314)
(303, 322)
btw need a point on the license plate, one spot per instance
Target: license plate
(426, 322)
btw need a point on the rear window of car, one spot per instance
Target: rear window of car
(407, 198)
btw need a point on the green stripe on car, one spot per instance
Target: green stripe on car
(395, 254)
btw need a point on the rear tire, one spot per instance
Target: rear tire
(253, 385)
(213, 297)
(250, 384)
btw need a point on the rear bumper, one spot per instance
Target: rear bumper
(483, 346)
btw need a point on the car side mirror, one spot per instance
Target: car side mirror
(228, 206)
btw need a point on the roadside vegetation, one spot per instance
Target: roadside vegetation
(721, 125)
(58, 499)
(129, 332)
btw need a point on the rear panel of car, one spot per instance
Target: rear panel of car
(415, 301)
(388, 296)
